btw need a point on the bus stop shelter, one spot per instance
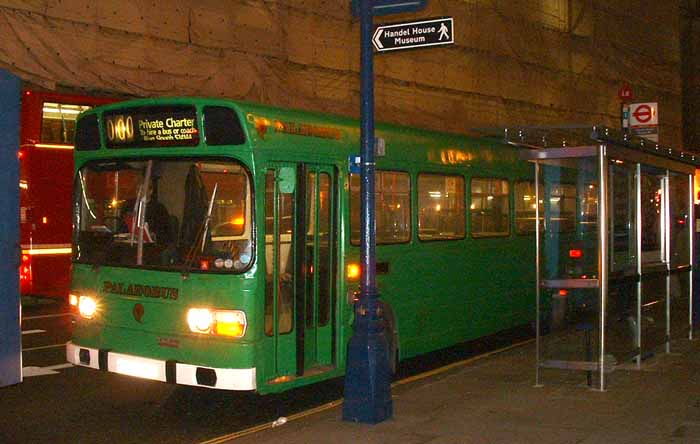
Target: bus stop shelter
(614, 237)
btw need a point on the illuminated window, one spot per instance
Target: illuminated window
(589, 208)
(440, 207)
(525, 208)
(562, 208)
(58, 122)
(490, 211)
(392, 206)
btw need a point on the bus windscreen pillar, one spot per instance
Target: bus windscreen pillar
(10, 331)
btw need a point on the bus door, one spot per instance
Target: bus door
(300, 268)
(318, 262)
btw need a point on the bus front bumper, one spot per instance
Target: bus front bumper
(158, 370)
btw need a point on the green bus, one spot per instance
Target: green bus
(216, 243)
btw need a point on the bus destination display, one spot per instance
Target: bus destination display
(151, 127)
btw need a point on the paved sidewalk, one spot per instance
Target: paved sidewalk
(493, 400)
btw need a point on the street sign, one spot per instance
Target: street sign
(644, 120)
(625, 117)
(386, 7)
(642, 114)
(354, 164)
(625, 93)
(424, 33)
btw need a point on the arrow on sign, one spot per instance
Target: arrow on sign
(375, 39)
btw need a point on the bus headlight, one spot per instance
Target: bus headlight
(87, 307)
(200, 320)
(230, 323)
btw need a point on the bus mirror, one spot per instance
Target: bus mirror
(286, 178)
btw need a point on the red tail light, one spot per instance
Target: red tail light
(575, 254)
(563, 292)
(25, 270)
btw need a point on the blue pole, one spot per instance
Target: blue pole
(368, 377)
(10, 334)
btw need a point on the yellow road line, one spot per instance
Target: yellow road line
(337, 402)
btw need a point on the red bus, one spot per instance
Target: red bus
(46, 172)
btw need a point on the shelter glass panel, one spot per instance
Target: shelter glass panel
(679, 201)
(570, 294)
(622, 195)
(652, 202)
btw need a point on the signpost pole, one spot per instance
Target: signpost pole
(368, 377)
(10, 334)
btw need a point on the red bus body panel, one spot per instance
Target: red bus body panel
(46, 184)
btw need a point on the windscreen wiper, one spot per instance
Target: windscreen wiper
(206, 221)
(202, 232)
(141, 214)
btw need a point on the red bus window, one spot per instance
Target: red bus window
(58, 122)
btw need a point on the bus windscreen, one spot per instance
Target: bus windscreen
(151, 126)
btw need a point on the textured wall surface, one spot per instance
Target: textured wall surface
(690, 57)
(515, 62)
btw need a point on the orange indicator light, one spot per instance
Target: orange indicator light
(353, 271)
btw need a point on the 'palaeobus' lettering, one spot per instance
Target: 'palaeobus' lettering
(148, 291)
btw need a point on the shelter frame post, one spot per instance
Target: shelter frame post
(602, 253)
(667, 255)
(691, 249)
(638, 233)
(538, 282)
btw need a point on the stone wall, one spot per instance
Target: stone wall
(515, 62)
